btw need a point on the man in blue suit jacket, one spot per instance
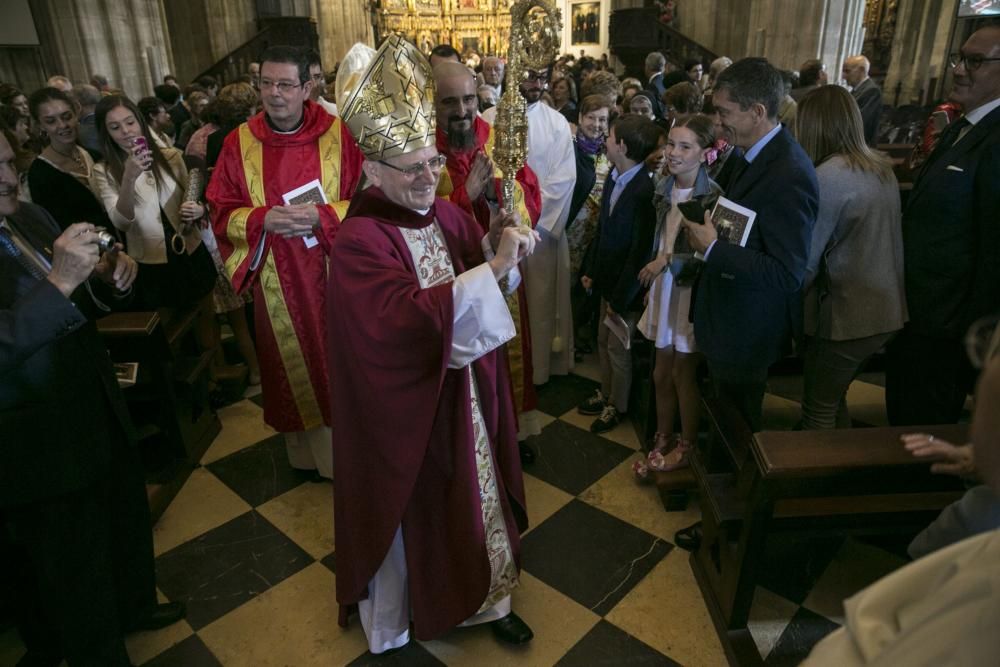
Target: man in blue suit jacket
(951, 247)
(746, 303)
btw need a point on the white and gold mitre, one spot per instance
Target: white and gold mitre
(386, 97)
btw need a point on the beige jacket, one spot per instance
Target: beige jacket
(941, 610)
(144, 233)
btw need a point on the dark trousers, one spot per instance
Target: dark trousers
(926, 379)
(81, 566)
(585, 315)
(743, 386)
(830, 367)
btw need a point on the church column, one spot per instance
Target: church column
(202, 32)
(786, 32)
(918, 71)
(126, 41)
(341, 25)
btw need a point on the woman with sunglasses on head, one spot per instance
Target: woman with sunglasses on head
(854, 298)
(143, 190)
(61, 177)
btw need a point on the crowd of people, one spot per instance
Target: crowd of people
(401, 301)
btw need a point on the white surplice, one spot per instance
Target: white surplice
(481, 324)
(546, 271)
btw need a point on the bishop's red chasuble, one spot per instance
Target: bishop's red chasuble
(417, 446)
(256, 168)
(528, 203)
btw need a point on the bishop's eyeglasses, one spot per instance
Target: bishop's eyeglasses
(414, 170)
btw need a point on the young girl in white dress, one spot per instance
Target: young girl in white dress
(669, 277)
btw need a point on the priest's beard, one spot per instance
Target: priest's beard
(459, 139)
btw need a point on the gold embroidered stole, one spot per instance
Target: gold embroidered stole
(434, 267)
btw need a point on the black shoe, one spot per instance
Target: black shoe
(511, 630)
(391, 651)
(610, 418)
(527, 453)
(594, 405)
(158, 617)
(689, 539)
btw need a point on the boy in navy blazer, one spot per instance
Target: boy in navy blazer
(611, 268)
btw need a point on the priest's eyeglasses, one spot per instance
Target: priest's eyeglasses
(414, 170)
(282, 86)
(972, 62)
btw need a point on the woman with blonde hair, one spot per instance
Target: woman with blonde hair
(854, 298)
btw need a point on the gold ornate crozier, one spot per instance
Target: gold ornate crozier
(535, 35)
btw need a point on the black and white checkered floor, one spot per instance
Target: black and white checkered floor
(248, 544)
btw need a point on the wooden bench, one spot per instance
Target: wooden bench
(805, 482)
(170, 398)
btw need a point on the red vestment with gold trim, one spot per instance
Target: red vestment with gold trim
(256, 167)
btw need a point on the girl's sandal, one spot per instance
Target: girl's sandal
(675, 459)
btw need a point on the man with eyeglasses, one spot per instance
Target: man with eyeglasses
(429, 499)
(547, 275)
(278, 192)
(951, 246)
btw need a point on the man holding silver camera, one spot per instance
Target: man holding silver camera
(74, 519)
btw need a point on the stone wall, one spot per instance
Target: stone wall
(918, 72)
(202, 32)
(124, 40)
(786, 32)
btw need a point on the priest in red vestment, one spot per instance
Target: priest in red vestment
(471, 181)
(429, 498)
(277, 195)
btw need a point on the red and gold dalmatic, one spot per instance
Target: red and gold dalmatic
(256, 167)
(528, 203)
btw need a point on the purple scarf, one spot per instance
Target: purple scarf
(589, 146)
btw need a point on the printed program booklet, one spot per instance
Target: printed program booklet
(310, 193)
(732, 222)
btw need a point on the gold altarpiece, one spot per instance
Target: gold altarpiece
(482, 26)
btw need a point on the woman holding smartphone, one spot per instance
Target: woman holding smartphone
(143, 188)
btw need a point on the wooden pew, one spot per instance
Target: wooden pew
(170, 398)
(804, 482)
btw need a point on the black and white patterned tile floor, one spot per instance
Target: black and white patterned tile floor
(248, 545)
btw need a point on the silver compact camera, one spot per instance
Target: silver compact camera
(105, 240)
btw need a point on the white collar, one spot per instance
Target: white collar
(982, 111)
